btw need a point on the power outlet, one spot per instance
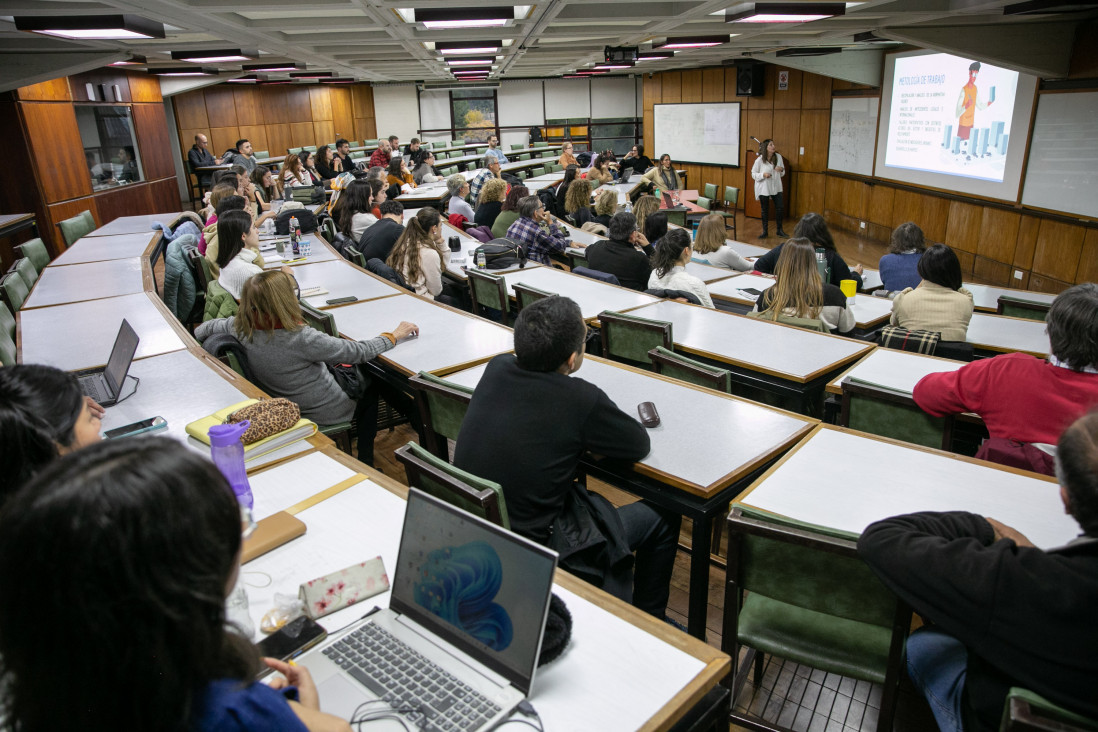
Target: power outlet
(863, 225)
(1018, 274)
(802, 150)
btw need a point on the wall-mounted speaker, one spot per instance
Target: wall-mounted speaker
(750, 78)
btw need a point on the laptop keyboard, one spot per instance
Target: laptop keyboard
(90, 387)
(397, 673)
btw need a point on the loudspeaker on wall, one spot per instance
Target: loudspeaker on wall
(750, 78)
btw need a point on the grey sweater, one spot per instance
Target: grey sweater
(290, 363)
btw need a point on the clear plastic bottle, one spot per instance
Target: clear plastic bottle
(227, 452)
(482, 262)
(295, 234)
(628, 206)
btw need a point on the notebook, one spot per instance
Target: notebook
(458, 646)
(103, 383)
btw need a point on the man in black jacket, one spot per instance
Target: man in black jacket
(620, 255)
(1002, 612)
(199, 156)
(529, 423)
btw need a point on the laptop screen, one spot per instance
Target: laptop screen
(478, 586)
(118, 365)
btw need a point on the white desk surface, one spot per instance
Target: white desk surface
(91, 281)
(809, 484)
(134, 224)
(591, 295)
(985, 297)
(1000, 333)
(871, 279)
(81, 335)
(870, 310)
(552, 177)
(748, 433)
(786, 352)
(899, 371)
(603, 680)
(341, 279)
(707, 273)
(320, 253)
(448, 339)
(746, 250)
(102, 248)
(732, 288)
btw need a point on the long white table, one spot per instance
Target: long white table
(341, 279)
(897, 371)
(320, 253)
(102, 248)
(1001, 333)
(986, 297)
(868, 311)
(91, 281)
(134, 224)
(591, 295)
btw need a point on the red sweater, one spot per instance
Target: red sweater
(1019, 397)
(380, 159)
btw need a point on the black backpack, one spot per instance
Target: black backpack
(501, 254)
(306, 219)
(548, 198)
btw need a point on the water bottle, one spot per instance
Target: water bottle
(482, 261)
(227, 452)
(295, 234)
(628, 206)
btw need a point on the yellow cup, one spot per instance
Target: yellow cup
(849, 287)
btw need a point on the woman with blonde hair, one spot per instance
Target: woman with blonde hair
(606, 205)
(420, 255)
(490, 202)
(709, 246)
(289, 358)
(645, 206)
(800, 293)
(293, 173)
(577, 202)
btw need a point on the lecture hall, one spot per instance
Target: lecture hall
(576, 366)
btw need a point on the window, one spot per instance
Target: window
(619, 135)
(110, 149)
(474, 114)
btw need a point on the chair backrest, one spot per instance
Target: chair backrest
(203, 275)
(442, 405)
(78, 226)
(294, 150)
(219, 303)
(464, 490)
(352, 253)
(488, 291)
(540, 144)
(888, 414)
(329, 227)
(680, 367)
(731, 196)
(13, 291)
(710, 191)
(1027, 711)
(806, 323)
(262, 154)
(310, 148)
(482, 150)
(26, 270)
(322, 320)
(704, 202)
(8, 352)
(583, 271)
(628, 338)
(525, 295)
(7, 322)
(35, 251)
(520, 146)
(1016, 308)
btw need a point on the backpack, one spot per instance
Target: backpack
(501, 254)
(584, 159)
(548, 198)
(306, 219)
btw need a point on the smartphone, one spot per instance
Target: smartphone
(293, 638)
(152, 424)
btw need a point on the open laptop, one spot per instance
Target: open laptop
(458, 647)
(669, 203)
(104, 383)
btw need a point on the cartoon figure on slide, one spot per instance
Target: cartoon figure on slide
(967, 104)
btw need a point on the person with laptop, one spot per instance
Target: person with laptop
(150, 527)
(532, 447)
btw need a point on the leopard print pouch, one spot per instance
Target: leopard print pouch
(268, 417)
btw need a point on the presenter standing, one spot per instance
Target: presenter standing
(767, 171)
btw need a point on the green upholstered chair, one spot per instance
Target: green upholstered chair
(7, 322)
(730, 202)
(576, 258)
(355, 256)
(219, 303)
(481, 151)
(329, 228)
(13, 291)
(518, 147)
(526, 295)
(442, 405)
(489, 291)
(303, 194)
(8, 353)
(710, 191)
(262, 154)
(882, 412)
(310, 148)
(540, 144)
(706, 203)
(35, 251)
(294, 150)
(321, 320)
(78, 226)
(677, 366)
(556, 168)
(801, 592)
(1018, 308)
(460, 489)
(1027, 711)
(677, 218)
(26, 270)
(814, 324)
(629, 338)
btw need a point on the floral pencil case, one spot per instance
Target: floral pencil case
(324, 595)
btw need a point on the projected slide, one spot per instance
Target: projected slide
(951, 115)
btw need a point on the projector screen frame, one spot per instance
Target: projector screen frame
(1008, 191)
(740, 148)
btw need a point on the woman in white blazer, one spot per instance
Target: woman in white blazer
(767, 172)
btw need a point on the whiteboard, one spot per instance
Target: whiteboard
(706, 133)
(1063, 156)
(853, 134)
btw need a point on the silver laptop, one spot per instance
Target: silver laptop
(104, 383)
(458, 647)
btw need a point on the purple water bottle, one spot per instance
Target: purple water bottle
(227, 452)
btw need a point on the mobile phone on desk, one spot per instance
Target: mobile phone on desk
(291, 640)
(152, 424)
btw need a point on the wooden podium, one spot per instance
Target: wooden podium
(752, 209)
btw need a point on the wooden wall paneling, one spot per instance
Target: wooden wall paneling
(1027, 241)
(651, 91)
(790, 98)
(1088, 261)
(153, 141)
(1046, 284)
(144, 88)
(257, 135)
(18, 193)
(730, 85)
(324, 132)
(760, 123)
(648, 134)
(164, 196)
(766, 101)
(124, 201)
(808, 193)
(343, 120)
(365, 129)
(967, 260)
(815, 92)
(671, 87)
(881, 199)
(54, 90)
(692, 85)
(787, 134)
(53, 139)
(246, 99)
(362, 102)
(278, 139)
(931, 213)
(298, 105)
(963, 226)
(272, 105)
(302, 134)
(846, 196)
(713, 85)
(1059, 246)
(190, 111)
(320, 102)
(996, 273)
(222, 138)
(998, 235)
(814, 130)
(220, 106)
(58, 212)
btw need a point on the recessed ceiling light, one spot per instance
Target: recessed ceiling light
(611, 66)
(654, 55)
(785, 12)
(134, 60)
(88, 27)
(183, 71)
(249, 79)
(218, 56)
(486, 60)
(467, 48)
(281, 66)
(311, 74)
(692, 42)
(482, 17)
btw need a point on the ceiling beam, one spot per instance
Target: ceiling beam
(860, 67)
(1041, 49)
(24, 69)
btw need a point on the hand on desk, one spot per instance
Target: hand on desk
(405, 330)
(308, 708)
(93, 407)
(1002, 531)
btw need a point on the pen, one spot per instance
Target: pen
(290, 261)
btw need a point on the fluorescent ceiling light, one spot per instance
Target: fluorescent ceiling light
(467, 48)
(785, 12)
(474, 17)
(654, 55)
(692, 42)
(218, 56)
(249, 79)
(134, 60)
(89, 27)
(611, 66)
(485, 61)
(183, 71)
(282, 66)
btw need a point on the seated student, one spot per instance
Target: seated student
(491, 164)
(378, 240)
(606, 205)
(152, 526)
(413, 151)
(1024, 399)
(535, 230)
(458, 188)
(43, 414)
(220, 192)
(939, 304)
(999, 612)
(625, 254)
(669, 267)
(380, 158)
(571, 172)
(654, 227)
(308, 167)
(799, 293)
(238, 251)
(425, 171)
(900, 267)
(543, 501)
(420, 255)
(636, 160)
(342, 160)
(599, 172)
(664, 176)
(293, 174)
(813, 227)
(264, 188)
(709, 246)
(379, 190)
(353, 212)
(508, 213)
(490, 202)
(644, 207)
(289, 358)
(328, 166)
(566, 157)
(399, 175)
(577, 202)
(212, 233)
